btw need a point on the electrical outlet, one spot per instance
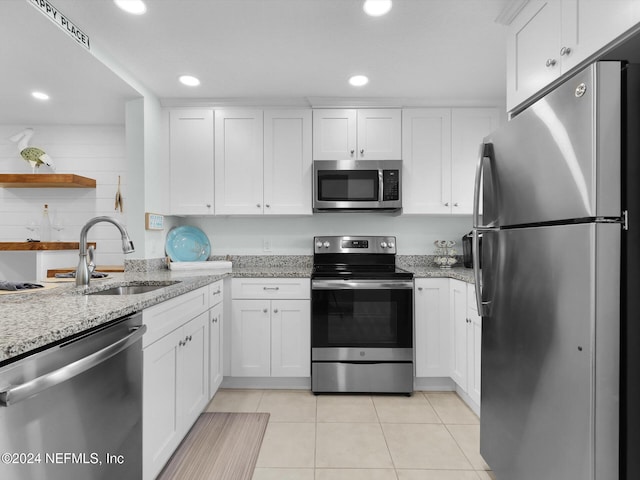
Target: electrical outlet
(266, 244)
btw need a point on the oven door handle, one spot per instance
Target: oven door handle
(361, 285)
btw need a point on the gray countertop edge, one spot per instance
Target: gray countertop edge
(32, 320)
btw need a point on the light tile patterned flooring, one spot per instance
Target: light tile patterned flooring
(428, 436)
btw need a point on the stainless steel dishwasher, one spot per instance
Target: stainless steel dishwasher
(74, 410)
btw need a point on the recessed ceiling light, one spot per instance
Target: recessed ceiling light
(40, 95)
(358, 80)
(189, 80)
(135, 7)
(376, 8)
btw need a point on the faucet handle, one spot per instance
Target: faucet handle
(91, 254)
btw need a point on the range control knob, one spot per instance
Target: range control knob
(383, 244)
(326, 244)
(318, 244)
(391, 245)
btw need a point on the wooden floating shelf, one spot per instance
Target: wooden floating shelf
(40, 246)
(45, 180)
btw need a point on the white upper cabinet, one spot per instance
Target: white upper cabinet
(550, 37)
(191, 161)
(379, 134)
(263, 162)
(238, 162)
(366, 134)
(441, 147)
(426, 174)
(469, 126)
(287, 162)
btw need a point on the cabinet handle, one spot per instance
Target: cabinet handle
(258, 205)
(551, 62)
(446, 204)
(181, 343)
(208, 205)
(352, 152)
(217, 292)
(214, 320)
(420, 288)
(275, 310)
(565, 51)
(268, 206)
(265, 310)
(271, 288)
(362, 152)
(455, 204)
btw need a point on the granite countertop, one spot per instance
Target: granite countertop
(30, 320)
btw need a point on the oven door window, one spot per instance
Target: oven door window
(348, 185)
(362, 318)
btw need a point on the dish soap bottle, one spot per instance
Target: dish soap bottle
(45, 225)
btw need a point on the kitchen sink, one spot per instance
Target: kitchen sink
(133, 289)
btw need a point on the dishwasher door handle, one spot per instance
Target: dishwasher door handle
(18, 393)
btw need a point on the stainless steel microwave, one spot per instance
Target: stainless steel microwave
(357, 185)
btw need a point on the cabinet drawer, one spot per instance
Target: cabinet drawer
(165, 317)
(216, 292)
(258, 288)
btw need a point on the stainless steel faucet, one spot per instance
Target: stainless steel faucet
(83, 275)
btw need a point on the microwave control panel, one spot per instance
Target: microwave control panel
(390, 185)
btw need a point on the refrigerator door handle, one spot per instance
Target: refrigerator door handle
(475, 249)
(486, 150)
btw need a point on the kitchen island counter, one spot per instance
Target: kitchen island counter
(33, 319)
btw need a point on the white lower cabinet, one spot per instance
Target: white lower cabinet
(270, 331)
(432, 331)
(175, 390)
(216, 350)
(448, 335)
(176, 372)
(467, 339)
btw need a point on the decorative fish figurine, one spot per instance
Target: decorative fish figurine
(33, 155)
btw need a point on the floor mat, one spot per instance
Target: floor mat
(220, 446)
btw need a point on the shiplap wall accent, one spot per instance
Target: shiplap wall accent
(92, 151)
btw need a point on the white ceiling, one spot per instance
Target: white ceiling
(430, 52)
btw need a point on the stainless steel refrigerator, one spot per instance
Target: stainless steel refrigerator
(559, 298)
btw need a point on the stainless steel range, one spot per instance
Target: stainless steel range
(361, 317)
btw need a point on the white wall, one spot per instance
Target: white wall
(92, 151)
(294, 235)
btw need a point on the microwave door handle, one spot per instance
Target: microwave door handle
(380, 185)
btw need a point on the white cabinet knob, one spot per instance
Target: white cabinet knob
(551, 62)
(265, 310)
(565, 51)
(275, 310)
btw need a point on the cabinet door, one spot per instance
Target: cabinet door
(215, 348)
(379, 134)
(432, 327)
(588, 25)
(191, 161)
(534, 39)
(287, 162)
(458, 312)
(474, 347)
(251, 338)
(193, 370)
(290, 338)
(161, 432)
(334, 134)
(426, 174)
(239, 162)
(468, 128)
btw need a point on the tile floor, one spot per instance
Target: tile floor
(428, 436)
